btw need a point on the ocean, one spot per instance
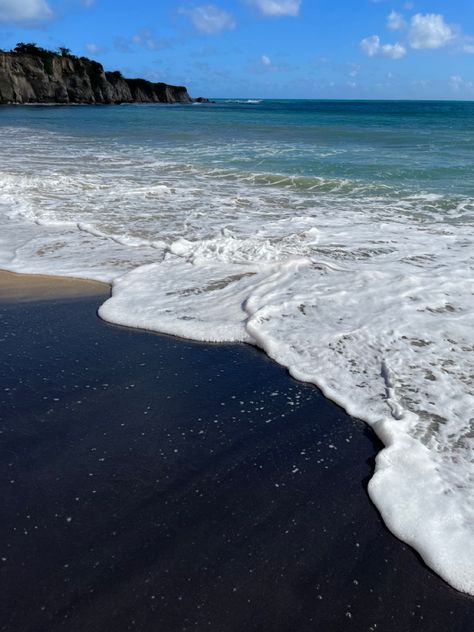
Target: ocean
(337, 236)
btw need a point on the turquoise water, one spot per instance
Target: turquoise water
(427, 144)
(335, 235)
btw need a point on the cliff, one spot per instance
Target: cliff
(47, 77)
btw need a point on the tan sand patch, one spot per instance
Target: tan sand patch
(32, 287)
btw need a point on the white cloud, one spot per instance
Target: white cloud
(210, 19)
(374, 48)
(88, 3)
(146, 39)
(24, 10)
(266, 64)
(458, 83)
(421, 32)
(393, 51)
(395, 21)
(354, 71)
(429, 31)
(92, 48)
(371, 45)
(422, 83)
(278, 7)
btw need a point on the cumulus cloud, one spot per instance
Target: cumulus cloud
(423, 31)
(373, 47)
(266, 61)
(210, 19)
(24, 10)
(429, 31)
(277, 7)
(395, 21)
(457, 83)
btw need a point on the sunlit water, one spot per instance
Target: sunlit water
(337, 236)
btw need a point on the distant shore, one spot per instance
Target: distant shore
(154, 483)
(32, 74)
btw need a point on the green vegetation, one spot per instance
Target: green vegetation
(141, 84)
(47, 57)
(114, 76)
(91, 67)
(31, 48)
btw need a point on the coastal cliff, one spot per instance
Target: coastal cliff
(41, 76)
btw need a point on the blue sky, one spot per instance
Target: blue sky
(265, 48)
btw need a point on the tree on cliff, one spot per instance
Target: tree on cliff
(31, 48)
(28, 49)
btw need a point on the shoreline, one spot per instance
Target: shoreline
(160, 482)
(15, 286)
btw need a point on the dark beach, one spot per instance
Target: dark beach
(156, 484)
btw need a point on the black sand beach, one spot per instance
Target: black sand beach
(155, 484)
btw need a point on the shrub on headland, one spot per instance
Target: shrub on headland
(113, 76)
(31, 48)
(47, 57)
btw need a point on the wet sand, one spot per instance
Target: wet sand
(155, 484)
(38, 287)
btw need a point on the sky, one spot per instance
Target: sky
(313, 49)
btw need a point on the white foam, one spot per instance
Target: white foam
(244, 101)
(362, 290)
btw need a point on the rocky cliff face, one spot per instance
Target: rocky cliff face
(53, 78)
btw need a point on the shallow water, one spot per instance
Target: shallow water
(337, 236)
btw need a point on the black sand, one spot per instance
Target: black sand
(154, 484)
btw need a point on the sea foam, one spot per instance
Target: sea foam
(360, 288)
